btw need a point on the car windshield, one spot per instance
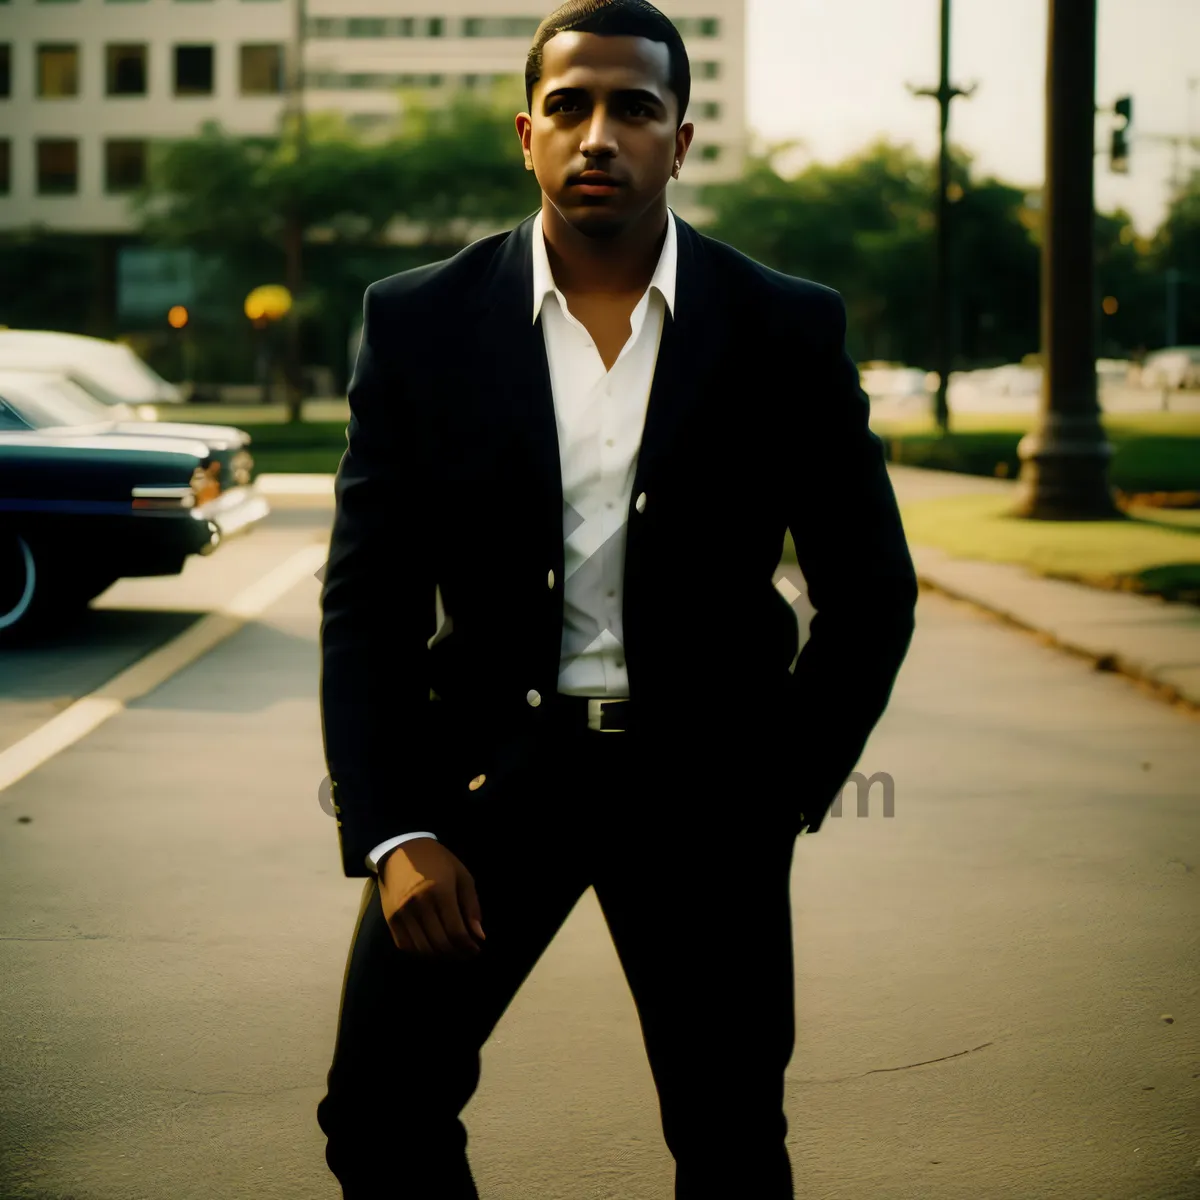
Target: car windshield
(51, 401)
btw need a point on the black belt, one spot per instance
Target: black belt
(605, 714)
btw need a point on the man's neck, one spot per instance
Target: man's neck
(619, 266)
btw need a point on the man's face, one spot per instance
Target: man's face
(603, 136)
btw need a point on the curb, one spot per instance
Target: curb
(1183, 694)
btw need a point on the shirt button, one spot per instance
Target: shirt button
(533, 697)
(640, 504)
(608, 504)
(612, 595)
(610, 442)
(550, 578)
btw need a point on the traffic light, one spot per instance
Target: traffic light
(1118, 155)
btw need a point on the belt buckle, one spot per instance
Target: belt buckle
(596, 712)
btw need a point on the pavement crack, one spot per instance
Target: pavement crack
(73, 937)
(905, 1067)
(926, 1061)
(260, 1092)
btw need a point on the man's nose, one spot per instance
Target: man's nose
(599, 138)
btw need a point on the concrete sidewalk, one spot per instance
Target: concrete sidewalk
(1147, 638)
(1143, 637)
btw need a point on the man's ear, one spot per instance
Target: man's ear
(683, 140)
(524, 128)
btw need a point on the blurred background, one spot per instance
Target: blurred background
(213, 183)
(160, 155)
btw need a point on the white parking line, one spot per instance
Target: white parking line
(92, 710)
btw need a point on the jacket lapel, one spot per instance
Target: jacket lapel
(517, 373)
(689, 346)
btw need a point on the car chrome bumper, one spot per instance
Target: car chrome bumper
(232, 512)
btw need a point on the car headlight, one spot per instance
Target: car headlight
(242, 467)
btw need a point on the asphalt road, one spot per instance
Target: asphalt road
(997, 987)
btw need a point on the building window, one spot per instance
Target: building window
(710, 110)
(5, 70)
(523, 27)
(708, 70)
(363, 81)
(58, 70)
(124, 166)
(326, 27)
(261, 70)
(5, 166)
(366, 27)
(57, 167)
(710, 153)
(698, 26)
(435, 27)
(125, 70)
(194, 70)
(404, 27)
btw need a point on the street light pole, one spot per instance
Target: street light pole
(294, 225)
(1064, 462)
(941, 288)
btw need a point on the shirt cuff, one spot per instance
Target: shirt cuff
(373, 856)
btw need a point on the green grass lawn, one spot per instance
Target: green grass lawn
(1151, 551)
(1152, 452)
(311, 460)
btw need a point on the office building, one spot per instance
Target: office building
(87, 85)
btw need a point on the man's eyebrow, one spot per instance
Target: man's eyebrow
(639, 94)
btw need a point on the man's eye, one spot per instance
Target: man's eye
(564, 106)
(638, 109)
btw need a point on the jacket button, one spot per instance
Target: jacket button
(550, 579)
(477, 782)
(640, 503)
(533, 697)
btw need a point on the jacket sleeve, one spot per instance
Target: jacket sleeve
(379, 608)
(851, 548)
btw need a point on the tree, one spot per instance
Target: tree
(439, 173)
(1173, 268)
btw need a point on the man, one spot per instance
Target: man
(588, 436)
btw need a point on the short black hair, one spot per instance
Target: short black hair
(614, 18)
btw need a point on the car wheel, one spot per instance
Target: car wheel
(19, 583)
(32, 594)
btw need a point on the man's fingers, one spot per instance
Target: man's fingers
(412, 931)
(452, 922)
(425, 912)
(469, 904)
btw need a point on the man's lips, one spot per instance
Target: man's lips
(595, 183)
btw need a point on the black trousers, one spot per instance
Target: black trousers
(700, 916)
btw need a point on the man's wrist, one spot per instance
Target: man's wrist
(377, 856)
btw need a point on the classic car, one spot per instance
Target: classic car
(86, 499)
(110, 371)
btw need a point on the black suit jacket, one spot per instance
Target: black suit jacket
(451, 479)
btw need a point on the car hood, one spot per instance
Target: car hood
(219, 437)
(114, 443)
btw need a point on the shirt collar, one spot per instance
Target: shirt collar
(663, 278)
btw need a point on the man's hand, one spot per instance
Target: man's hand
(429, 901)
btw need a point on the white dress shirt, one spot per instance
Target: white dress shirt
(600, 415)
